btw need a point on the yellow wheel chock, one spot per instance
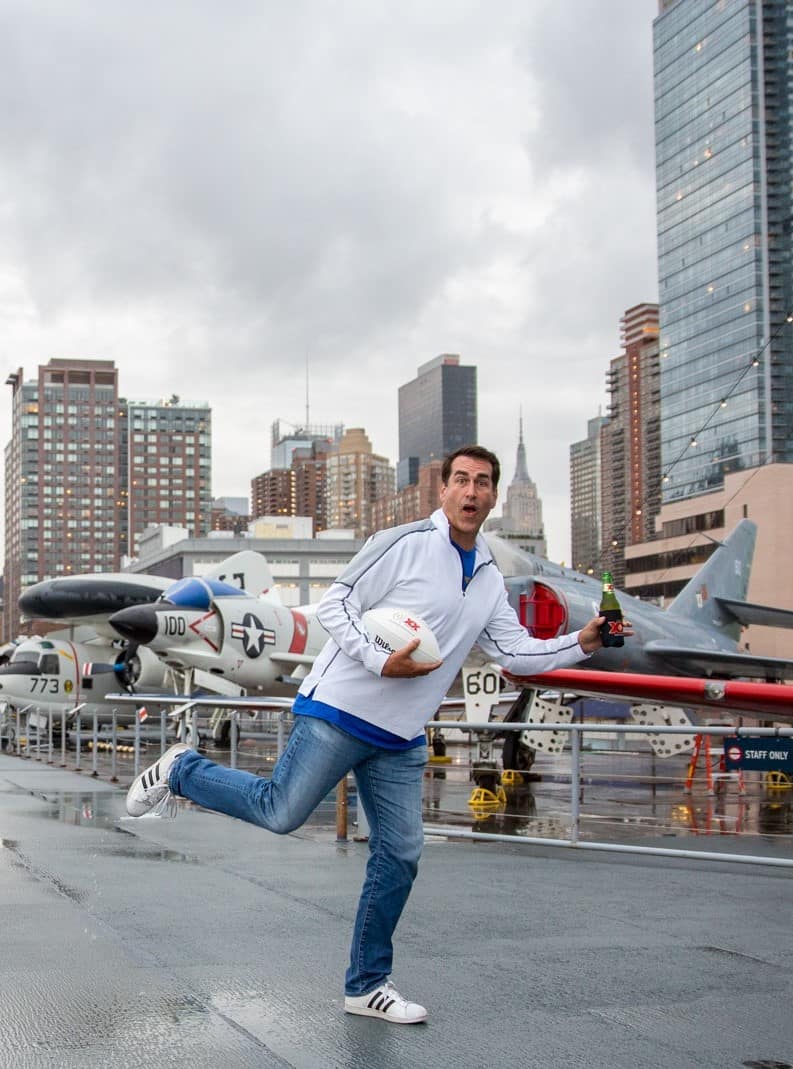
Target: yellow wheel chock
(481, 796)
(777, 781)
(510, 777)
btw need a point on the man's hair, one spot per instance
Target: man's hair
(476, 452)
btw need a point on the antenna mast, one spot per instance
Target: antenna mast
(307, 423)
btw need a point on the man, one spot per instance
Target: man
(364, 710)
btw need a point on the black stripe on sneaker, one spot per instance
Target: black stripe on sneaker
(371, 1003)
(388, 1005)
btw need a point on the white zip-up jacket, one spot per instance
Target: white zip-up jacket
(416, 567)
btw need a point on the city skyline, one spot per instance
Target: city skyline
(391, 186)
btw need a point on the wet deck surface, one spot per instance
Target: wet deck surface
(202, 941)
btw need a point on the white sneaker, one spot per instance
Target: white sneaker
(151, 786)
(386, 1003)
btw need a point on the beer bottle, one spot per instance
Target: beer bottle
(611, 628)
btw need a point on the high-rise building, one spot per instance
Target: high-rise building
(585, 532)
(300, 488)
(437, 414)
(294, 485)
(63, 476)
(309, 467)
(411, 503)
(169, 467)
(356, 478)
(87, 472)
(724, 136)
(284, 442)
(630, 464)
(521, 519)
(273, 493)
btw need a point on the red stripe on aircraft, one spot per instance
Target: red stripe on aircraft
(300, 632)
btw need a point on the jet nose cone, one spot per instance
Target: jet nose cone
(138, 623)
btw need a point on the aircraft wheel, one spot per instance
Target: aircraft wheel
(515, 755)
(221, 734)
(8, 736)
(486, 778)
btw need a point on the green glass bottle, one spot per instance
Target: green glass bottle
(611, 628)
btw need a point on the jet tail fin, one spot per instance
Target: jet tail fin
(247, 569)
(723, 577)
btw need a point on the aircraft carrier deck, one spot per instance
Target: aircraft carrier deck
(203, 941)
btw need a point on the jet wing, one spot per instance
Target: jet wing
(722, 663)
(765, 615)
(293, 658)
(768, 701)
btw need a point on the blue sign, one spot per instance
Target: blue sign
(758, 755)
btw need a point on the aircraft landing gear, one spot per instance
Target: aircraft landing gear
(485, 772)
(220, 727)
(7, 735)
(438, 743)
(516, 755)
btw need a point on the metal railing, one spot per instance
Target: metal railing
(575, 841)
(91, 736)
(185, 712)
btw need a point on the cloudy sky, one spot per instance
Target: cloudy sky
(212, 194)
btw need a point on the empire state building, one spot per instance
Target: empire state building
(521, 521)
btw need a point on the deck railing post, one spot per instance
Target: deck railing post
(575, 782)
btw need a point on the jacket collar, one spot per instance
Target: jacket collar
(442, 523)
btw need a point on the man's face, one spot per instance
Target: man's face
(467, 498)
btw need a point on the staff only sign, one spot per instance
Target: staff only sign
(759, 755)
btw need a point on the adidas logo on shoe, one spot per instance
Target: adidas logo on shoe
(386, 1003)
(151, 786)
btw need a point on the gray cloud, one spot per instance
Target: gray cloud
(208, 195)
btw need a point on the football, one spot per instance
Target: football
(391, 629)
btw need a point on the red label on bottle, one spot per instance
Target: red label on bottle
(615, 627)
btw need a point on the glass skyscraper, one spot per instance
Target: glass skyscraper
(723, 102)
(437, 414)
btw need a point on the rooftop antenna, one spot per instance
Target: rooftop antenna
(307, 424)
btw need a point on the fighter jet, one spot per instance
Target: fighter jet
(226, 633)
(84, 662)
(697, 635)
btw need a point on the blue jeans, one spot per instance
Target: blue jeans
(316, 758)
